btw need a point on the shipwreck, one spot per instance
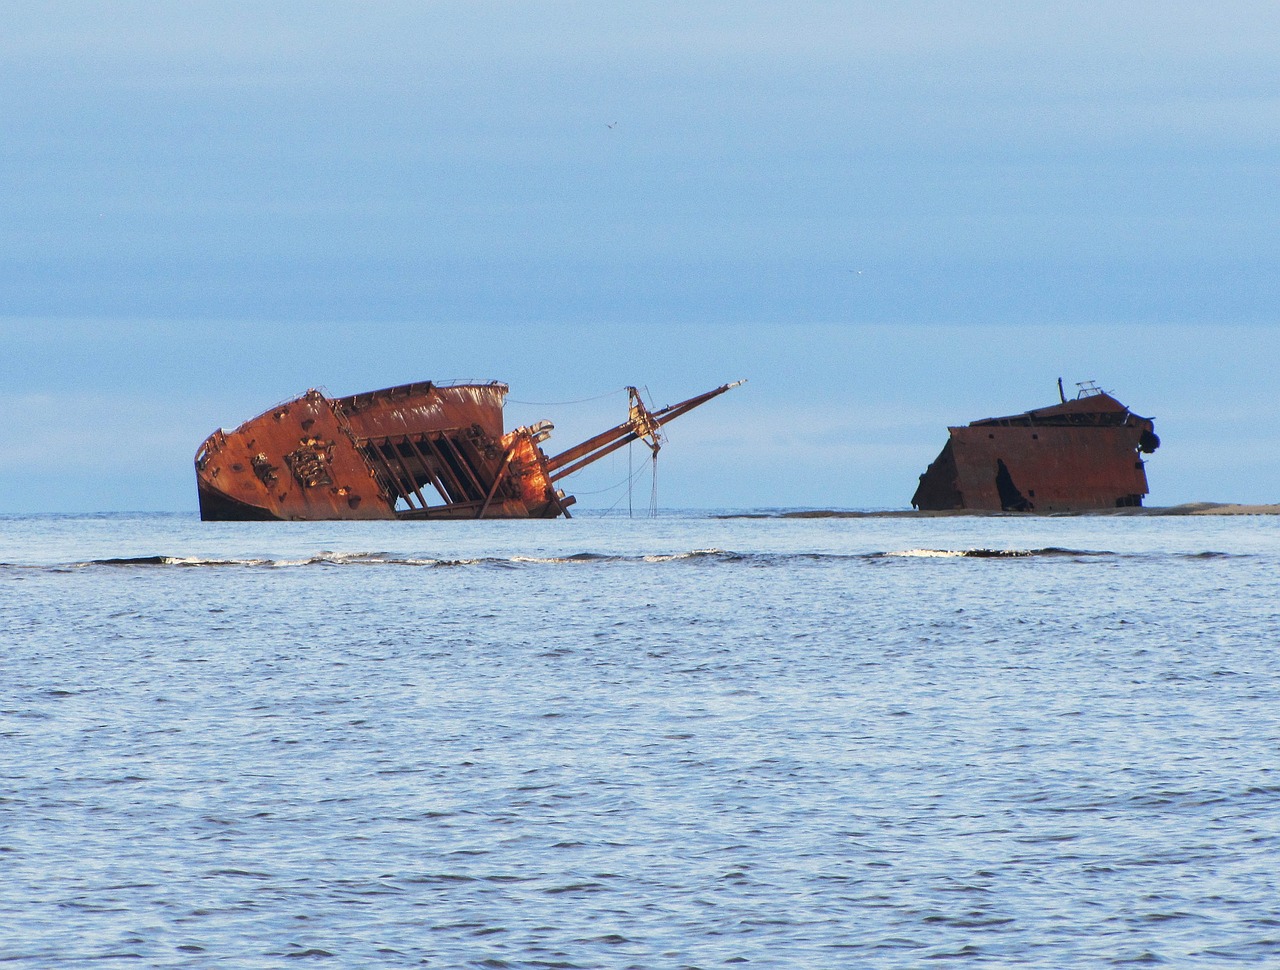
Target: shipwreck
(417, 451)
(1079, 454)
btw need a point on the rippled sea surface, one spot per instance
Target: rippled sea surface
(676, 742)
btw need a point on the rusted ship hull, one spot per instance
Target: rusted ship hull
(1081, 454)
(416, 451)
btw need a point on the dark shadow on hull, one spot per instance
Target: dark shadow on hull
(1011, 500)
(215, 507)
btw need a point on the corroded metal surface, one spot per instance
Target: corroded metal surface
(417, 451)
(1079, 454)
(425, 407)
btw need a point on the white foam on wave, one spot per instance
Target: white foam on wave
(198, 561)
(964, 553)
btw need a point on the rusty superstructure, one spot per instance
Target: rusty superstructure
(1080, 454)
(416, 451)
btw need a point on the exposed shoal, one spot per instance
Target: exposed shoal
(1189, 508)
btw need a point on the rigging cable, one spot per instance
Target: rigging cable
(619, 499)
(609, 488)
(557, 404)
(653, 489)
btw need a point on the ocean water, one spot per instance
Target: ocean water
(687, 741)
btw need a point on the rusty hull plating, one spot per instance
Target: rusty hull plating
(1077, 455)
(417, 451)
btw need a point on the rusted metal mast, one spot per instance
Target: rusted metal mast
(641, 423)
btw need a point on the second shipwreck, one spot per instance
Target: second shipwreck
(1079, 454)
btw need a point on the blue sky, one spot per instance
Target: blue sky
(889, 217)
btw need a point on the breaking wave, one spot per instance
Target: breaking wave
(992, 553)
(714, 556)
(391, 559)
